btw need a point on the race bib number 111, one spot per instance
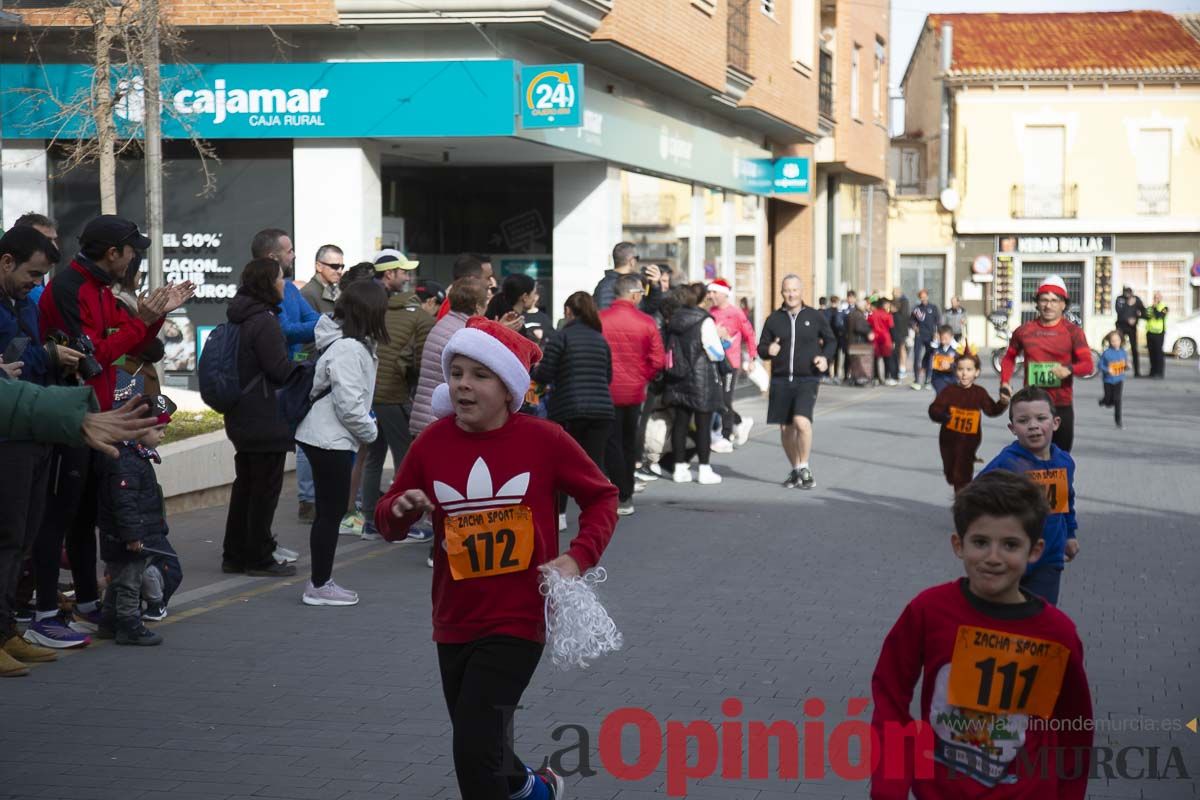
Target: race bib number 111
(1004, 673)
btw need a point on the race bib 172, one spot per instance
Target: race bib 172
(480, 544)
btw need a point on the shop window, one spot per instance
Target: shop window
(656, 215)
(926, 272)
(1150, 275)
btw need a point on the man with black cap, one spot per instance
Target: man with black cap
(79, 304)
(431, 294)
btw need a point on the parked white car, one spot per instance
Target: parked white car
(1183, 336)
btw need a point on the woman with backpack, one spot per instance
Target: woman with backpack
(693, 386)
(340, 422)
(259, 434)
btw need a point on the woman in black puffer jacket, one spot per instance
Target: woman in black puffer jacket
(693, 387)
(577, 366)
(261, 438)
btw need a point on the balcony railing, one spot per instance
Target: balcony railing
(1044, 201)
(737, 35)
(826, 86)
(1154, 198)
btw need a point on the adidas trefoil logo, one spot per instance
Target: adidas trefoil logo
(479, 491)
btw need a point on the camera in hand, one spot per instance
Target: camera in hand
(88, 366)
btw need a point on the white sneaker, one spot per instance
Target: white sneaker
(328, 595)
(639, 487)
(656, 469)
(682, 474)
(562, 524)
(706, 475)
(285, 554)
(891, 382)
(624, 509)
(741, 431)
(722, 445)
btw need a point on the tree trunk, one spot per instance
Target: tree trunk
(153, 124)
(103, 113)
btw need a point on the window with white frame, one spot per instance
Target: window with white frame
(804, 38)
(877, 83)
(855, 60)
(1154, 171)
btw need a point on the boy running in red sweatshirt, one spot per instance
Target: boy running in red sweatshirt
(1002, 680)
(490, 477)
(959, 408)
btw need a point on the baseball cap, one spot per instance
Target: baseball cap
(389, 259)
(114, 231)
(430, 290)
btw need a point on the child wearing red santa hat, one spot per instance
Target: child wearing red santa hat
(490, 478)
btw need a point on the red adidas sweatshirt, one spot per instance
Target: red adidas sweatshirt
(1009, 654)
(496, 520)
(1064, 343)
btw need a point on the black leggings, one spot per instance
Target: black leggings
(483, 682)
(70, 515)
(1064, 437)
(331, 485)
(1112, 399)
(592, 435)
(679, 434)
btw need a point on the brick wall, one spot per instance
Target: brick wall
(675, 33)
(780, 89)
(862, 142)
(201, 13)
(792, 247)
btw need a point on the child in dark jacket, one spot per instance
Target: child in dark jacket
(943, 365)
(132, 518)
(959, 408)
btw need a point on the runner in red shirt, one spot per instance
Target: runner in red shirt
(1056, 351)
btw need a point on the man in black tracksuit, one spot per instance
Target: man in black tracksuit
(799, 342)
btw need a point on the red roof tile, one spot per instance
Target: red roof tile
(1141, 42)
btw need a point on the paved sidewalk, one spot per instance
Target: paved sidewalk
(742, 590)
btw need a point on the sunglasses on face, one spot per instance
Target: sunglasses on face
(337, 267)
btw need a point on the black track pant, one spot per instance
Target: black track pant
(483, 682)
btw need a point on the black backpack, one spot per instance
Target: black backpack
(217, 371)
(295, 395)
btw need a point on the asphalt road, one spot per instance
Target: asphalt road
(745, 590)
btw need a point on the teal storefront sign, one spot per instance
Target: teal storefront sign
(791, 176)
(276, 101)
(552, 96)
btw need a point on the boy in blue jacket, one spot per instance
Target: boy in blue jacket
(1033, 420)
(1114, 363)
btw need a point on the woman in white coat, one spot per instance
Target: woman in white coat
(339, 422)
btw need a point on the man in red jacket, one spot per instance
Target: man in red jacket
(1056, 351)
(637, 356)
(79, 304)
